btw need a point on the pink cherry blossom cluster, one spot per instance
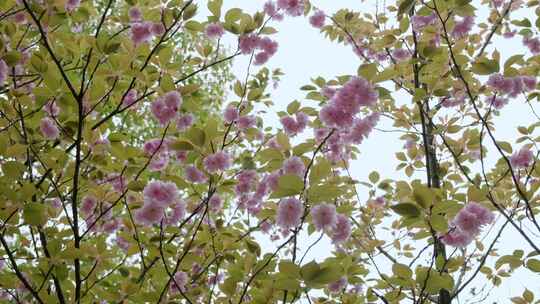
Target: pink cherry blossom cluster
(289, 213)
(467, 224)
(71, 5)
(317, 19)
(217, 162)
(214, 30)
(293, 126)
(130, 98)
(251, 190)
(47, 125)
(293, 8)
(325, 217)
(251, 42)
(165, 108)
(161, 203)
(346, 103)
(522, 158)
(338, 145)
(143, 31)
(419, 22)
(462, 27)
(194, 175)
(98, 217)
(533, 44)
(512, 86)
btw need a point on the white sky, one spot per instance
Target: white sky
(304, 53)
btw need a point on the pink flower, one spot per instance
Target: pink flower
(328, 92)
(51, 108)
(246, 122)
(463, 27)
(342, 229)
(230, 114)
(160, 193)
(72, 5)
(159, 162)
(467, 222)
(273, 180)
(157, 29)
(149, 214)
(20, 18)
(509, 34)
(268, 45)
(289, 213)
(338, 286)
(294, 165)
(324, 216)
(293, 126)
(248, 43)
(270, 8)
(135, 14)
(56, 203)
(261, 58)
(401, 54)
(130, 98)
(533, 44)
(361, 128)
(333, 117)
(152, 146)
(3, 71)
(317, 19)
(48, 128)
(419, 21)
(165, 108)
(180, 281)
(529, 82)
(178, 213)
(218, 161)
(118, 182)
(141, 32)
(214, 30)
(457, 238)
(215, 203)
(184, 122)
(293, 8)
(483, 215)
(498, 102)
(194, 175)
(522, 159)
(497, 3)
(122, 243)
(88, 204)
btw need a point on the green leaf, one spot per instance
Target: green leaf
(319, 171)
(288, 185)
(374, 177)
(214, 6)
(196, 136)
(402, 271)
(405, 6)
(485, 66)
(233, 15)
(35, 214)
(423, 195)
(181, 145)
(289, 269)
(406, 209)
(315, 275)
(533, 264)
(293, 107)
